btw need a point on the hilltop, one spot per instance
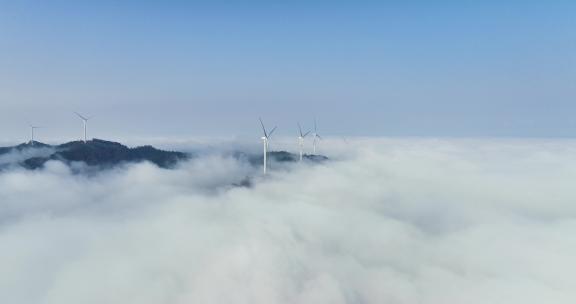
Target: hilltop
(96, 152)
(103, 154)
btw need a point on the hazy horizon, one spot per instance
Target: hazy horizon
(504, 69)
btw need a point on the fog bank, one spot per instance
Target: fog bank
(387, 221)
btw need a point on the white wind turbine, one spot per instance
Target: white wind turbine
(301, 140)
(85, 121)
(317, 136)
(265, 140)
(32, 128)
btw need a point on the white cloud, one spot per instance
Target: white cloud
(16, 156)
(397, 221)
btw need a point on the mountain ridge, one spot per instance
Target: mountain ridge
(96, 152)
(108, 154)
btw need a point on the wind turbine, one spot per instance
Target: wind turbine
(85, 121)
(301, 140)
(316, 136)
(265, 140)
(32, 128)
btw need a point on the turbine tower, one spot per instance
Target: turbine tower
(85, 121)
(317, 136)
(32, 128)
(301, 140)
(265, 140)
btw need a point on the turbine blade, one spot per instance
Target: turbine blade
(81, 117)
(263, 128)
(300, 129)
(306, 134)
(315, 126)
(271, 132)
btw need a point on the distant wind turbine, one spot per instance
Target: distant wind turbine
(32, 128)
(301, 140)
(265, 140)
(85, 121)
(317, 136)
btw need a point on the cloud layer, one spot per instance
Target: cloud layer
(397, 221)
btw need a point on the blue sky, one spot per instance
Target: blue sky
(387, 68)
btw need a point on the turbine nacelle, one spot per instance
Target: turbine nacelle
(267, 135)
(302, 135)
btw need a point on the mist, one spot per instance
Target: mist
(384, 221)
(13, 157)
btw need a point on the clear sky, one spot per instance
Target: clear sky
(210, 68)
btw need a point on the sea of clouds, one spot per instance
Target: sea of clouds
(431, 221)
